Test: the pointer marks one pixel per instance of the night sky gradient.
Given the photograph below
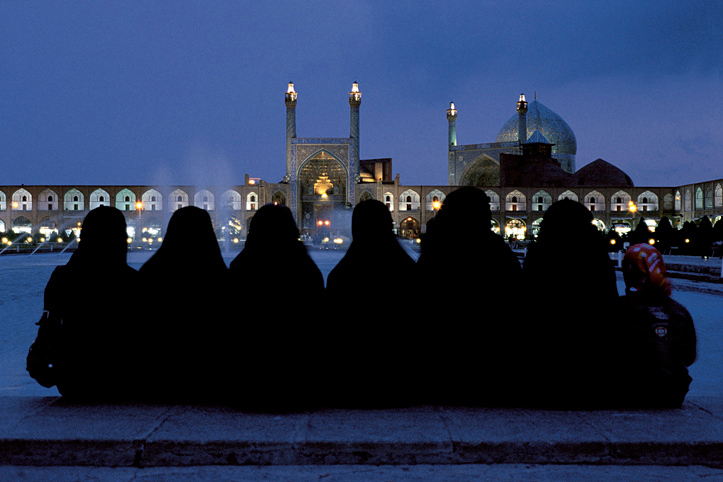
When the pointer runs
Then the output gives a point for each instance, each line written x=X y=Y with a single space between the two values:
x=192 y=92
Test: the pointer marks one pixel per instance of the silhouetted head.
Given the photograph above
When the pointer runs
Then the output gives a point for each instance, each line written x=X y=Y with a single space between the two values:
x=468 y=203
x=103 y=238
x=567 y=218
x=273 y=224
x=190 y=238
x=644 y=271
x=371 y=221
x=189 y=227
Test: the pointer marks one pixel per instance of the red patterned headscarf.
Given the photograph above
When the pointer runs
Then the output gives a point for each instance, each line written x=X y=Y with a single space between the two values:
x=644 y=270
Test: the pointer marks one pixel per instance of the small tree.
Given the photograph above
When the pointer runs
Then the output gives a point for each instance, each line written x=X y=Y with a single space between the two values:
x=703 y=238
x=666 y=236
x=687 y=236
x=641 y=234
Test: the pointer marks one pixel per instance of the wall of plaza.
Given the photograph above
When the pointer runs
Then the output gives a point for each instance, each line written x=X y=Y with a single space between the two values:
x=412 y=206
x=38 y=208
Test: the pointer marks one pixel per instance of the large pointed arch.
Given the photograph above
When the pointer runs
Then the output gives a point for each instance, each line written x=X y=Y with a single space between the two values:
x=483 y=171
x=323 y=174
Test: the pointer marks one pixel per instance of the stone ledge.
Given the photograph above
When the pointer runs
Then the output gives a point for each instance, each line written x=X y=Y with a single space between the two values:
x=46 y=432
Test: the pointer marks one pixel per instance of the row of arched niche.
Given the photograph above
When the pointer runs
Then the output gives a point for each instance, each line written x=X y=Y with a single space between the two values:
x=410 y=200
x=126 y=200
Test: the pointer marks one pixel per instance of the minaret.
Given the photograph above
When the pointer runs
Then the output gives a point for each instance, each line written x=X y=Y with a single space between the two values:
x=452 y=118
x=522 y=125
x=290 y=99
x=354 y=103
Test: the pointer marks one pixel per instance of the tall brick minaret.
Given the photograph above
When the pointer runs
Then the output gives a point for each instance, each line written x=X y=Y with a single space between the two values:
x=522 y=126
x=354 y=103
x=290 y=99
x=452 y=118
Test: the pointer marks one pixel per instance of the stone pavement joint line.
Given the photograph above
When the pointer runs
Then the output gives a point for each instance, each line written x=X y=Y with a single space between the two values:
x=46 y=432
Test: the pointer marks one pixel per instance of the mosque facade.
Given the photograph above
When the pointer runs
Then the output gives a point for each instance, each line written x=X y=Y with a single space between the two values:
x=529 y=165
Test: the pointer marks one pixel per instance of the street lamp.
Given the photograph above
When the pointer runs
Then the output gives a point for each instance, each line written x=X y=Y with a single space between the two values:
x=139 y=207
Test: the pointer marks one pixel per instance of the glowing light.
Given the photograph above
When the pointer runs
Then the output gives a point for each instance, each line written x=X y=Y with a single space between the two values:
x=129 y=240
x=327 y=223
x=436 y=205
x=290 y=90
x=355 y=95
x=522 y=98
x=613 y=242
x=651 y=241
x=452 y=111
x=5 y=240
x=29 y=240
x=338 y=241
x=235 y=240
x=139 y=205
x=60 y=240
x=632 y=207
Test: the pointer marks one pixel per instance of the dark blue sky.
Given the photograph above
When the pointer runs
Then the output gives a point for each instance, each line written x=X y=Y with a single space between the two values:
x=191 y=92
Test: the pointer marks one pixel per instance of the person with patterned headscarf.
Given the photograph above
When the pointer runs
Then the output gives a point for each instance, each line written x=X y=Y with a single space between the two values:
x=659 y=333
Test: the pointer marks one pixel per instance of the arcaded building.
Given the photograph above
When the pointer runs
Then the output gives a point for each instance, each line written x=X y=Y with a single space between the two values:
x=530 y=164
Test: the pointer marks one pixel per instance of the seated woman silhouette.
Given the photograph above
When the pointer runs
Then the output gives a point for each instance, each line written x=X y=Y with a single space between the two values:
x=567 y=335
x=374 y=359
x=278 y=291
x=95 y=327
x=660 y=333
x=472 y=278
x=185 y=286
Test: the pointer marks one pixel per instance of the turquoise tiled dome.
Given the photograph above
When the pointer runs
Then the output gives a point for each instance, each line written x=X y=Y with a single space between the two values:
x=549 y=124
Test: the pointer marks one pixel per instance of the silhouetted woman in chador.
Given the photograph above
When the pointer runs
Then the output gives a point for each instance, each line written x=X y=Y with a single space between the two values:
x=659 y=331
x=87 y=302
x=376 y=348
x=278 y=291
x=569 y=330
x=185 y=286
x=472 y=279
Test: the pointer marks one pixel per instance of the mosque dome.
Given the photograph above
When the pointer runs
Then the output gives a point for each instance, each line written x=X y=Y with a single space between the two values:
x=551 y=126
x=602 y=174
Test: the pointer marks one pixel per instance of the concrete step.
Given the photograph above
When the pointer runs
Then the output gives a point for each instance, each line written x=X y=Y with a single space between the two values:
x=49 y=432
x=367 y=473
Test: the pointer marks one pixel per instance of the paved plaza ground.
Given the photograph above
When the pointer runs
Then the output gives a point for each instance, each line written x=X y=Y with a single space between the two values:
x=44 y=438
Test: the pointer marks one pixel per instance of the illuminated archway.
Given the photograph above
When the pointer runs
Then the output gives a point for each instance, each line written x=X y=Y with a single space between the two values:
x=409 y=228
x=516 y=228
